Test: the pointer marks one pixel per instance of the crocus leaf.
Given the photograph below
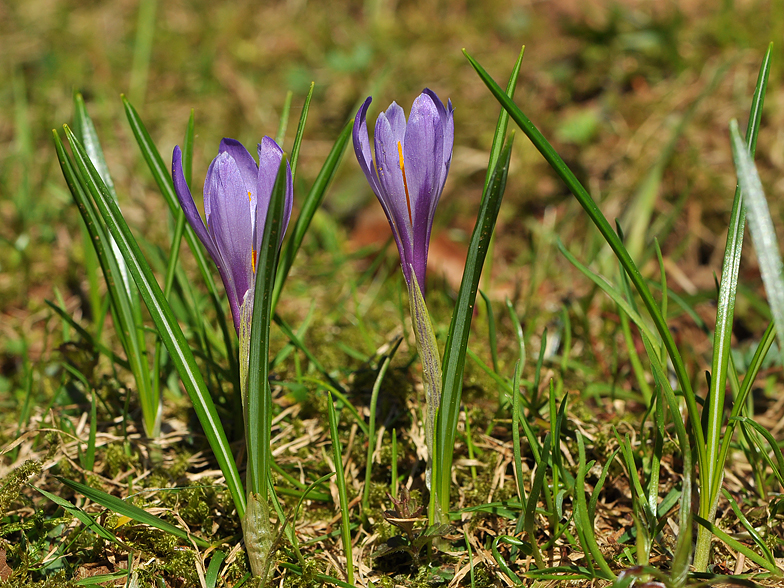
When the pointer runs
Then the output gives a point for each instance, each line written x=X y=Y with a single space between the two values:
x=258 y=422
x=459 y=329
x=120 y=507
x=162 y=175
x=161 y=313
x=606 y=230
x=726 y=306
x=300 y=132
x=124 y=302
x=83 y=517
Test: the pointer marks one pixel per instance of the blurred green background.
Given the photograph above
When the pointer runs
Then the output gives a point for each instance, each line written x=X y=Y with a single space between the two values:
x=621 y=89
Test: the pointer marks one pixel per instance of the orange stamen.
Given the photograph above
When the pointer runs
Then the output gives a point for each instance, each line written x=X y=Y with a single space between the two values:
x=405 y=183
x=253 y=257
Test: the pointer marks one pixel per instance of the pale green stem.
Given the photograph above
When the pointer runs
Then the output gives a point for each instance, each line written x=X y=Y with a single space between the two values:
x=256 y=528
x=431 y=378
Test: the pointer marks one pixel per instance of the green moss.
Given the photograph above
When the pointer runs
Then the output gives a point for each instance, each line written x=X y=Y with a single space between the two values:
x=117 y=460
x=11 y=485
x=307 y=579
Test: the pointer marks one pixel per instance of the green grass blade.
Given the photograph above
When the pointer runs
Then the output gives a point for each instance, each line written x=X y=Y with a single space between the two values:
x=459 y=329
x=590 y=207
x=135 y=513
x=721 y=345
x=751 y=374
x=726 y=303
x=89 y=458
x=762 y=231
x=161 y=313
x=778 y=466
x=84 y=129
x=597 y=488
x=142 y=49
x=582 y=520
x=722 y=340
x=125 y=309
x=502 y=124
x=611 y=291
x=386 y=360
x=491 y=334
x=533 y=500
x=187 y=151
x=309 y=207
x=162 y=177
x=258 y=423
x=280 y=136
x=749 y=528
x=102 y=578
x=683 y=548
x=516 y=418
x=340 y=480
x=300 y=132
x=82 y=516
x=738 y=546
x=211 y=577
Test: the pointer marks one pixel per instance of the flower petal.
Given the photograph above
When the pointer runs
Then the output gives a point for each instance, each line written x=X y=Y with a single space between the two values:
x=194 y=219
x=362 y=146
x=424 y=172
x=270 y=154
x=230 y=223
x=388 y=139
x=243 y=159
x=189 y=207
x=448 y=123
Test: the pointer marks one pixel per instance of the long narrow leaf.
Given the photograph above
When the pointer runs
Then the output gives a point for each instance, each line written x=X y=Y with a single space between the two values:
x=337 y=456
x=459 y=329
x=300 y=132
x=582 y=520
x=588 y=204
x=726 y=307
x=168 y=328
x=131 y=511
x=761 y=228
x=738 y=546
x=161 y=174
x=83 y=517
x=124 y=307
x=258 y=423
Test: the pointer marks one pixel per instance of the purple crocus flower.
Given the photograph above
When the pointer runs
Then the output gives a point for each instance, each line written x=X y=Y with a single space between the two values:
x=408 y=175
x=237 y=194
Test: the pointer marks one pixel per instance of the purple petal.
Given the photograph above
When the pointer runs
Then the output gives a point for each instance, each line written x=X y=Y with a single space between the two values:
x=390 y=177
x=362 y=146
x=448 y=124
x=244 y=161
x=449 y=139
x=397 y=121
x=230 y=223
x=424 y=170
x=189 y=207
x=270 y=154
x=194 y=219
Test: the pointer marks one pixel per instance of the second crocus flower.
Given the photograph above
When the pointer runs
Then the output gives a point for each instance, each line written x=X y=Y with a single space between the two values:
x=408 y=175
x=409 y=171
